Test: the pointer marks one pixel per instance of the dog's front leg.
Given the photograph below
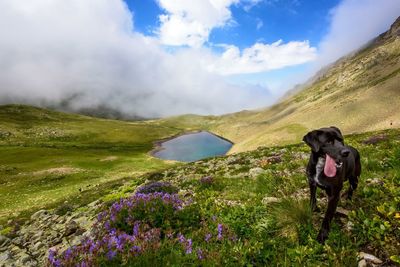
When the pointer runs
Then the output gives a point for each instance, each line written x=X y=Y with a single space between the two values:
x=333 y=200
x=313 y=198
x=353 y=181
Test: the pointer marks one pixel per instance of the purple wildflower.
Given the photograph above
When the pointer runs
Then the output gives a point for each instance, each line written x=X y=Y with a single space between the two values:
x=219 y=231
x=189 y=246
x=68 y=254
x=181 y=238
x=53 y=261
x=111 y=254
x=93 y=247
x=52 y=253
x=135 y=249
x=120 y=243
x=208 y=237
x=136 y=228
x=107 y=225
x=200 y=254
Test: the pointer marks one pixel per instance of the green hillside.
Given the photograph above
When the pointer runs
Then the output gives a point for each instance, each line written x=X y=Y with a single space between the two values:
x=358 y=93
x=48 y=157
x=247 y=209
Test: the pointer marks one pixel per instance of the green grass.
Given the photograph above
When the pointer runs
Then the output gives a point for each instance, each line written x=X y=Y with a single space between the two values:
x=48 y=157
x=63 y=161
x=282 y=232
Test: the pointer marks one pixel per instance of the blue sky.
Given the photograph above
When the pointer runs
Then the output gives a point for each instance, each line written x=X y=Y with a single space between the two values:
x=156 y=58
x=261 y=21
x=287 y=20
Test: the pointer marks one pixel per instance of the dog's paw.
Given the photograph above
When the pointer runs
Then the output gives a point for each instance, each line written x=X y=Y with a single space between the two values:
x=347 y=195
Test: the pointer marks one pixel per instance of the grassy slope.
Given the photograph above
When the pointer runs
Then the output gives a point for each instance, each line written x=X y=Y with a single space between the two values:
x=282 y=233
x=46 y=157
x=358 y=93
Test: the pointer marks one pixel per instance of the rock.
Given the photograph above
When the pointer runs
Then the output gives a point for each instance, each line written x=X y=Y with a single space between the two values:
x=349 y=226
x=94 y=204
x=25 y=258
x=268 y=200
x=14 y=250
x=342 y=212
x=54 y=241
x=373 y=140
x=18 y=240
x=5 y=256
x=38 y=246
x=37 y=236
x=362 y=263
x=75 y=241
x=39 y=214
x=368 y=258
x=71 y=228
x=375 y=181
x=4 y=241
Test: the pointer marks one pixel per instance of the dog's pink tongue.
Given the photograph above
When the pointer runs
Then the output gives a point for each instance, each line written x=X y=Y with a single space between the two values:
x=330 y=168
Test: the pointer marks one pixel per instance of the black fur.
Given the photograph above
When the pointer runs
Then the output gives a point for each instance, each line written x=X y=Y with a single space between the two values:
x=330 y=141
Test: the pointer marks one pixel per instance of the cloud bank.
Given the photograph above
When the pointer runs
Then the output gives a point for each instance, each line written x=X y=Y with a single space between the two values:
x=86 y=54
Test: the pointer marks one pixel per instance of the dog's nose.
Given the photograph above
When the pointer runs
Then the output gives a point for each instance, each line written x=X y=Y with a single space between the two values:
x=345 y=152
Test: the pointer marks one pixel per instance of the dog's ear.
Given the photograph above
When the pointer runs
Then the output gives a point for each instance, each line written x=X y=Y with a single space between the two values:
x=312 y=141
x=337 y=132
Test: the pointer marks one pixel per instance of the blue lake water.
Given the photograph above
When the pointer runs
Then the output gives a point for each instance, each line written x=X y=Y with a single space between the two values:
x=192 y=147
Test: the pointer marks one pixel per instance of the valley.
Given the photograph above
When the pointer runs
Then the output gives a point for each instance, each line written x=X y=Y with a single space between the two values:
x=63 y=163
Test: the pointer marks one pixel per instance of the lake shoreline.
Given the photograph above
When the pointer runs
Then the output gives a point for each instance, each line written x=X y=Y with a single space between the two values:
x=157 y=145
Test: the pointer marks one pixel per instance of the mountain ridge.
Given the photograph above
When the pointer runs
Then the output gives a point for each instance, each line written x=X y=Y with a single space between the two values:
x=357 y=93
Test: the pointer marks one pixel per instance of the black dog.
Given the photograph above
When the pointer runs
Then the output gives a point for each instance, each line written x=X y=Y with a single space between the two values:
x=331 y=163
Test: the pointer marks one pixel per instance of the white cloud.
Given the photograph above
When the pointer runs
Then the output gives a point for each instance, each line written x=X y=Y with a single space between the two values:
x=262 y=57
x=260 y=23
x=190 y=22
x=353 y=24
x=88 y=51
